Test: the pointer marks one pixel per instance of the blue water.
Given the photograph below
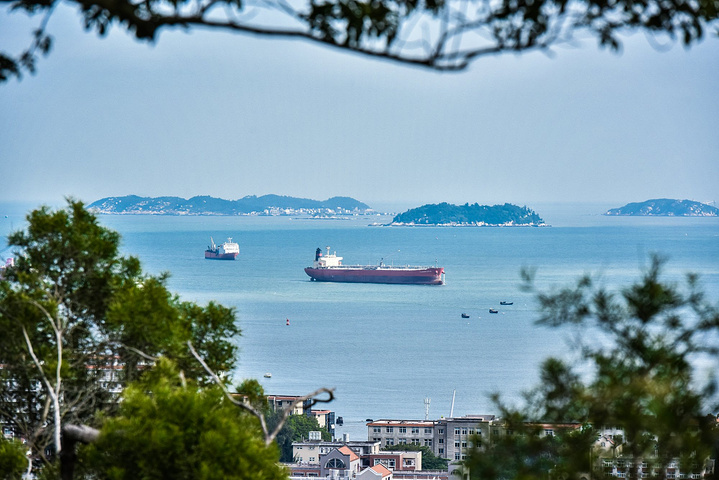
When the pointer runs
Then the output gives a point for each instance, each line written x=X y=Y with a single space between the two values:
x=385 y=348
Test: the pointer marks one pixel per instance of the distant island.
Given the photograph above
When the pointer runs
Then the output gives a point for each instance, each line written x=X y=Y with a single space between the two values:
x=666 y=207
x=446 y=214
x=249 y=205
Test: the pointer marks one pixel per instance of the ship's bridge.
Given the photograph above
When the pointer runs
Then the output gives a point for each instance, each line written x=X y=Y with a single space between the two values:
x=329 y=260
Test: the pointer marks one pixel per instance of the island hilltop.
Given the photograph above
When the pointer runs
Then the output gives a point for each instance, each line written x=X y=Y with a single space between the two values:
x=665 y=207
x=249 y=205
x=446 y=214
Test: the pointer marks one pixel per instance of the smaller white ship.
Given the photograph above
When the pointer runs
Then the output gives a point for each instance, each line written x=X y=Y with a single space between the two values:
x=226 y=251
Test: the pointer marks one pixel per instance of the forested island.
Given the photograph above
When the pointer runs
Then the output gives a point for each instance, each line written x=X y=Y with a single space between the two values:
x=249 y=205
x=665 y=207
x=469 y=215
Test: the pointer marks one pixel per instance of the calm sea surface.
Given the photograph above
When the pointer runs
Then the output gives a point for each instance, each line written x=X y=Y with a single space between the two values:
x=385 y=348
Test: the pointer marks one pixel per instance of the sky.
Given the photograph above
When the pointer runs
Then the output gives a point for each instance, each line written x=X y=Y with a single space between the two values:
x=229 y=115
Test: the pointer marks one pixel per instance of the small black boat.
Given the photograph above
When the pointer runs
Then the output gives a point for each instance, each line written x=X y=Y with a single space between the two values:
x=491 y=310
x=464 y=315
x=506 y=303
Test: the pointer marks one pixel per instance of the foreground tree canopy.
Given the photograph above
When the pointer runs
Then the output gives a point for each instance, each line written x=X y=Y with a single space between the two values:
x=439 y=34
x=82 y=327
x=643 y=358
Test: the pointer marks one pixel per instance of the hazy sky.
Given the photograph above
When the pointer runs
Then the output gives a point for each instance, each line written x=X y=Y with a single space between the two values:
x=226 y=115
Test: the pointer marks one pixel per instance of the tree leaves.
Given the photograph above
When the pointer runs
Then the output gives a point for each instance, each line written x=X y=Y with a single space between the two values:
x=437 y=34
x=639 y=377
x=80 y=322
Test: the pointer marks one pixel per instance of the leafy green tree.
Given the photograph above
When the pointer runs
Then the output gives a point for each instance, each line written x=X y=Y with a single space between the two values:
x=437 y=34
x=13 y=462
x=429 y=460
x=170 y=428
x=638 y=358
x=73 y=310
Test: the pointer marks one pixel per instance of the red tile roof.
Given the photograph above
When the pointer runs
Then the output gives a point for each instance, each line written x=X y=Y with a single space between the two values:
x=346 y=450
x=381 y=469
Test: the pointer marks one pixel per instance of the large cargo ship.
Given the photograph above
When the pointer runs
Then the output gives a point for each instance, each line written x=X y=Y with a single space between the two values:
x=227 y=251
x=329 y=268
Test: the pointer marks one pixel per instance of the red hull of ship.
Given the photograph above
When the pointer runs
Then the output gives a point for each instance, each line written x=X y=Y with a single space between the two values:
x=220 y=256
x=427 y=276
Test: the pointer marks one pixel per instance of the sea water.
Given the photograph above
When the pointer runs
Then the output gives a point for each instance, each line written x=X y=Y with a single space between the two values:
x=384 y=349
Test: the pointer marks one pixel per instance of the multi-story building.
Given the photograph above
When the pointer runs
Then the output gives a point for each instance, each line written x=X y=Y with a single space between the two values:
x=309 y=452
x=351 y=461
x=402 y=432
x=396 y=461
x=447 y=437
x=624 y=467
x=280 y=402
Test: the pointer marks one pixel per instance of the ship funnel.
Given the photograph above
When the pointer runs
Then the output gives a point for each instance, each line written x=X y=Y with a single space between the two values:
x=318 y=254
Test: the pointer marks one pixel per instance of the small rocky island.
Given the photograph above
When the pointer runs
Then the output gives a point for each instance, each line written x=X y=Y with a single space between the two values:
x=666 y=207
x=446 y=214
x=249 y=205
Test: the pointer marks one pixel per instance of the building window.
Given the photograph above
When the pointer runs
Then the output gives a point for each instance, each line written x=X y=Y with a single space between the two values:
x=335 y=463
x=312 y=459
x=441 y=451
x=441 y=431
x=427 y=442
x=471 y=431
x=389 y=429
x=464 y=444
x=415 y=430
x=456 y=431
x=415 y=441
x=377 y=429
x=402 y=441
x=428 y=431
x=402 y=429
x=549 y=432
x=456 y=445
x=464 y=431
x=441 y=441
x=457 y=456
x=495 y=431
x=389 y=441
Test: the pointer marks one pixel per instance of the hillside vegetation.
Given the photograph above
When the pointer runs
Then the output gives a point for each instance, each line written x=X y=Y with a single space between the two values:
x=480 y=215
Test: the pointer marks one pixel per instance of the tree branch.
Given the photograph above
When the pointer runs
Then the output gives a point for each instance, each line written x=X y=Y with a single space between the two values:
x=51 y=391
x=269 y=436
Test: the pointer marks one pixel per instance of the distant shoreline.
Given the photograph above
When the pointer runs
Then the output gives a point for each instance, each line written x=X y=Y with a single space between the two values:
x=463 y=225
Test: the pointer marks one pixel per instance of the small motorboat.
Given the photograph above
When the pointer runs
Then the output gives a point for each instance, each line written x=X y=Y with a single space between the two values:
x=268 y=375
x=506 y=303
x=491 y=310
x=464 y=315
